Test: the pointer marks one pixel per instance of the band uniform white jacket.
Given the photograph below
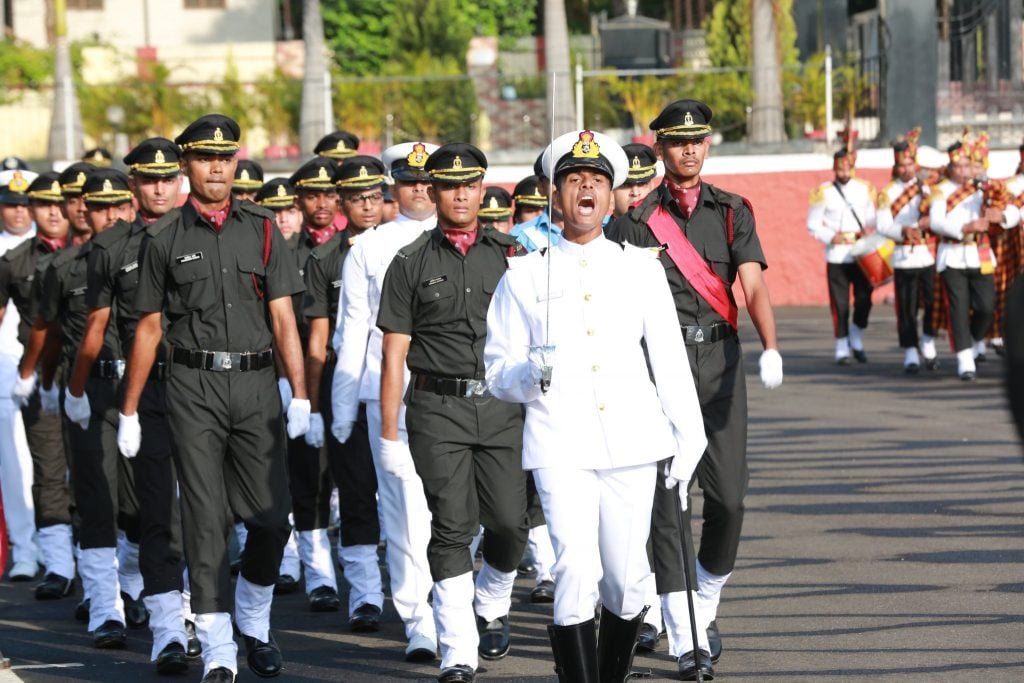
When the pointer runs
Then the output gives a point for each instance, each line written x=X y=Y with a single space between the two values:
x=830 y=213
x=950 y=224
x=602 y=410
x=904 y=255
x=357 y=340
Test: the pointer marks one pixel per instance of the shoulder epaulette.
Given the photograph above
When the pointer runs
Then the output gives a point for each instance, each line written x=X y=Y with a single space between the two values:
x=327 y=248
x=256 y=209
x=417 y=244
x=111 y=235
x=725 y=197
x=157 y=227
x=500 y=237
x=818 y=194
x=12 y=254
x=642 y=211
x=633 y=251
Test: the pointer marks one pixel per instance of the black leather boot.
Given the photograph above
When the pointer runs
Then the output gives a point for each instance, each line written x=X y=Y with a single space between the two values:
x=575 y=651
x=616 y=645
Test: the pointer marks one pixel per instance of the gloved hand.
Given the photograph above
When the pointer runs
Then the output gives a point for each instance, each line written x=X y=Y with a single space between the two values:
x=285 y=387
x=315 y=434
x=771 y=368
x=77 y=408
x=537 y=363
x=396 y=460
x=341 y=428
x=298 y=417
x=673 y=483
x=23 y=388
x=49 y=399
x=129 y=434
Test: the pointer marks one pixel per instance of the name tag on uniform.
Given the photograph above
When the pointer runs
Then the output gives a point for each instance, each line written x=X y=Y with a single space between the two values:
x=130 y=267
x=336 y=284
x=78 y=291
x=188 y=258
x=555 y=294
x=435 y=281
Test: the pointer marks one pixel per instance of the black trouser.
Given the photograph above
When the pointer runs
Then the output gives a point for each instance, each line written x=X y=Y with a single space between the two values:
x=468 y=452
x=50 y=465
x=971 y=298
x=534 y=509
x=841 y=276
x=160 y=550
x=915 y=287
x=229 y=445
x=103 y=480
x=721 y=473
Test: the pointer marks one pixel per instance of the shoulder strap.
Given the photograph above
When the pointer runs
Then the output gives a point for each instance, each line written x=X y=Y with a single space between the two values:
x=268 y=239
x=839 y=189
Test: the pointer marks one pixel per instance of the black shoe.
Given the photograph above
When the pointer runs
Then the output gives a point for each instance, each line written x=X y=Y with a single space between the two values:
x=688 y=666
x=980 y=358
x=54 y=587
x=715 y=642
x=911 y=368
x=844 y=360
x=195 y=647
x=460 y=673
x=968 y=376
x=264 y=658
x=495 y=640
x=526 y=569
x=236 y=568
x=931 y=364
x=544 y=592
x=220 y=674
x=324 y=599
x=172 y=660
x=365 y=619
x=860 y=355
x=109 y=636
x=286 y=583
x=135 y=613
x=647 y=641
x=82 y=610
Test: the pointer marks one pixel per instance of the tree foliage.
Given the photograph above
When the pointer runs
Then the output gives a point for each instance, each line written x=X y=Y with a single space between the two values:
x=22 y=66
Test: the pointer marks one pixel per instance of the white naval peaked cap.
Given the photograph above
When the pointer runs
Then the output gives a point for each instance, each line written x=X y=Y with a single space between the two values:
x=586 y=149
x=403 y=150
x=7 y=176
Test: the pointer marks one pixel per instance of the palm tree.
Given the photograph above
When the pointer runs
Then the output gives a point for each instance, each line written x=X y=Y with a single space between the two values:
x=766 y=121
x=317 y=118
x=556 y=56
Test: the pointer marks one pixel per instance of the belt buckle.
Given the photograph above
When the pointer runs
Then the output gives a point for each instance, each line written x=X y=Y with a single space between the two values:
x=221 y=360
x=699 y=337
x=475 y=387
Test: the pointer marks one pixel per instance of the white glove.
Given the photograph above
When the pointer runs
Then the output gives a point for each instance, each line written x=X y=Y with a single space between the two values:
x=342 y=429
x=315 y=434
x=536 y=367
x=129 y=434
x=672 y=483
x=771 y=369
x=298 y=417
x=285 y=387
x=76 y=408
x=49 y=399
x=23 y=389
x=396 y=460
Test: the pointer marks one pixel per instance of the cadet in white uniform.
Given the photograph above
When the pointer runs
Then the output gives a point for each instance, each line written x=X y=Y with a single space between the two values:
x=594 y=438
x=842 y=210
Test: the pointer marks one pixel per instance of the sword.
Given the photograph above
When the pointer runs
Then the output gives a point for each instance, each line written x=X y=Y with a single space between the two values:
x=546 y=349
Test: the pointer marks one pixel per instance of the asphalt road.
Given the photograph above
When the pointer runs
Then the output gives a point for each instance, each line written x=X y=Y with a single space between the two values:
x=884 y=538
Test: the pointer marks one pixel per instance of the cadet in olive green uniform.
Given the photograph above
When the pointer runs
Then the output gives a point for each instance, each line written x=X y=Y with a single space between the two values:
x=466 y=445
x=220 y=272
x=248 y=180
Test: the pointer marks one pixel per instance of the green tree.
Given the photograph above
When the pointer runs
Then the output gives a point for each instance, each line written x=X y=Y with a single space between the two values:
x=278 y=99
x=22 y=66
x=357 y=32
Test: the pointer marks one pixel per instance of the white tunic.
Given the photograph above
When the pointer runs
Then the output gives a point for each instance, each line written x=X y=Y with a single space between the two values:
x=602 y=410
x=950 y=224
x=830 y=214
x=905 y=255
x=357 y=340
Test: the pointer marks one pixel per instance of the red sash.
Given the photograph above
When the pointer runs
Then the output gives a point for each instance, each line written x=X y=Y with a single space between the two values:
x=693 y=266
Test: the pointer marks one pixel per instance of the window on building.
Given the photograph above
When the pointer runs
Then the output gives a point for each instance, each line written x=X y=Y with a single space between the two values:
x=85 y=4
x=205 y=4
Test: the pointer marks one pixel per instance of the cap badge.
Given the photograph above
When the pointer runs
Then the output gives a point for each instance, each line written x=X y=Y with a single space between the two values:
x=322 y=174
x=18 y=183
x=688 y=119
x=158 y=158
x=363 y=173
x=108 y=186
x=418 y=156
x=340 y=145
x=218 y=136
x=80 y=178
x=457 y=164
x=494 y=203
x=244 y=175
x=55 y=187
x=586 y=147
x=281 y=192
x=636 y=163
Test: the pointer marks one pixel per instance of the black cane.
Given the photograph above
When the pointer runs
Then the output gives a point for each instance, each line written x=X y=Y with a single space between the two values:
x=689 y=582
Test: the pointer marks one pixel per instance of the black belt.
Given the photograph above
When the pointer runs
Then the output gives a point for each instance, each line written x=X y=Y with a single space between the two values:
x=707 y=334
x=158 y=372
x=450 y=386
x=223 y=361
x=107 y=369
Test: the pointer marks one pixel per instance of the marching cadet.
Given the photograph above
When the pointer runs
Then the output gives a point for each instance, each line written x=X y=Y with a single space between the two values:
x=640 y=181
x=390 y=210
x=709 y=239
x=338 y=146
x=843 y=210
x=113 y=275
x=248 y=180
x=358 y=180
x=496 y=209
x=98 y=157
x=899 y=218
x=962 y=213
x=16 y=218
x=466 y=445
x=595 y=481
x=21 y=271
x=220 y=272
x=530 y=202
x=279 y=196
x=104 y=488
x=357 y=380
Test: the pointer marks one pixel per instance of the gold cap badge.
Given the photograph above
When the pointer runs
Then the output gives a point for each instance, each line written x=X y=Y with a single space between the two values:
x=418 y=156
x=281 y=192
x=108 y=186
x=158 y=158
x=688 y=119
x=218 y=136
x=586 y=147
x=17 y=183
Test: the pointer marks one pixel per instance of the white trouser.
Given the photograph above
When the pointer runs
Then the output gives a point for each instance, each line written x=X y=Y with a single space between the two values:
x=359 y=565
x=165 y=621
x=651 y=598
x=315 y=551
x=456 y=623
x=98 y=569
x=128 y=574
x=55 y=546
x=186 y=598
x=539 y=543
x=493 y=592
x=290 y=562
x=677 y=623
x=252 y=608
x=218 y=640
x=15 y=469
x=406 y=525
x=599 y=521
